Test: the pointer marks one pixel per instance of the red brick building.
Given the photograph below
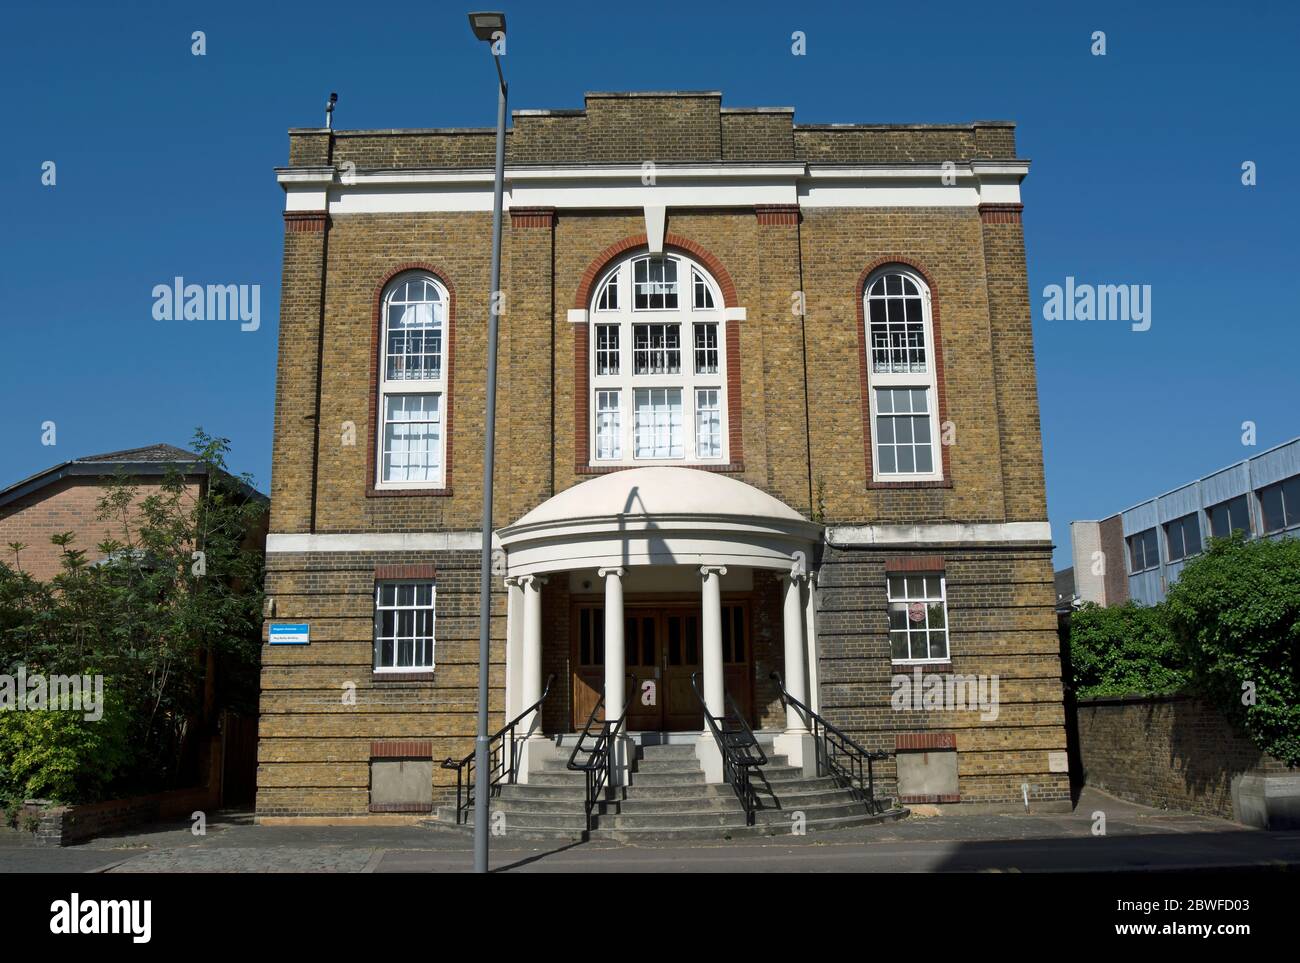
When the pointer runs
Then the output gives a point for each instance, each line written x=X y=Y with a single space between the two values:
x=65 y=498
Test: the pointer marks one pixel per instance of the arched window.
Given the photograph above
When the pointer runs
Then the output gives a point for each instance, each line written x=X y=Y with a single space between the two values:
x=901 y=376
x=412 y=383
x=658 y=371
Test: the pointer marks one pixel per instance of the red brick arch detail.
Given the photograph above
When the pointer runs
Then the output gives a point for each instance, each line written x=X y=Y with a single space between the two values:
x=863 y=367
x=582 y=349
x=602 y=260
x=376 y=349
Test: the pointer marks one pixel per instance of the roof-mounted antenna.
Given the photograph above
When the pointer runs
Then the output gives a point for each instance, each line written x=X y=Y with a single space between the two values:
x=329 y=111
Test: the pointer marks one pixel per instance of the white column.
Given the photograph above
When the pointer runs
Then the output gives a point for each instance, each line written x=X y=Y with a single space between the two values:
x=514 y=646
x=810 y=634
x=711 y=631
x=795 y=680
x=615 y=661
x=623 y=749
x=714 y=688
x=531 y=688
x=534 y=748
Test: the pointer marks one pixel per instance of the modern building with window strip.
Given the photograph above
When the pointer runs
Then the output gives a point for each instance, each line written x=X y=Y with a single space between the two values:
x=1139 y=552
x=766 y=406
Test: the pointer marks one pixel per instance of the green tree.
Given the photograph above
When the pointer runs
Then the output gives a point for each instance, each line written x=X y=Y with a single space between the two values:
x=1236 y=613
x=1123 y=649
x=173 y=600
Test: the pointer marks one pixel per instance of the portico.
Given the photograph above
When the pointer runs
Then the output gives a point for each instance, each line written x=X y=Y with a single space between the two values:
x=684 y=533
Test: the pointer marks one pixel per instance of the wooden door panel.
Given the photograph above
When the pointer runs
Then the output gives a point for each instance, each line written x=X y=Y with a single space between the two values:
x=588 y=660
x=737 y=646
x=737 y=682
x=641 y=651
x=682 y=643
x=663 y=644
x=586 y=691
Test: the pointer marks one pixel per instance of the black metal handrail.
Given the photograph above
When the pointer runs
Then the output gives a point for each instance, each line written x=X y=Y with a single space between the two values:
x=502 y=760
x=740 y=751
x=838 y=755
x=599 y=758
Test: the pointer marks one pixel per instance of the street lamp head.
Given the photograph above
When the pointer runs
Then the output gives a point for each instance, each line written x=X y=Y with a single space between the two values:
x=487 y=25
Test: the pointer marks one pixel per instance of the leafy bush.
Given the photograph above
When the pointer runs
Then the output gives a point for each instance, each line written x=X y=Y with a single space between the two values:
x=60 y=754
x=1123 y=649
x=1236 y=613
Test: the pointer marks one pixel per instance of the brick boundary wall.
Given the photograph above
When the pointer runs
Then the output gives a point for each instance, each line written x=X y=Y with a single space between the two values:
x=65 y=825
x=1171 y=752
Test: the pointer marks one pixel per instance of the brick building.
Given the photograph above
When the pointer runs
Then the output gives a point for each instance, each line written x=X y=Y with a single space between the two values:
x=766 y=402
x=65 y=498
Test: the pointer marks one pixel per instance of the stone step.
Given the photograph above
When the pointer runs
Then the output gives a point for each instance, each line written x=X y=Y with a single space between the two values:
x=668 y=751
x=637 y=803
x=572 y=821
x=690 y=790
x=694 y=778
x=780 y=787
x=561 y=807
x=534 y=790
x=559 y=765
x=817 y=812
x=662 y=822
x=670 y=764
x=735 y=832
x=570 y=829
x=557 y=777
x=778 y=773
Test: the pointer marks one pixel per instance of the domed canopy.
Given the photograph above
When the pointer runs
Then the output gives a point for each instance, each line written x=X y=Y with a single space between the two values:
x=658 y=516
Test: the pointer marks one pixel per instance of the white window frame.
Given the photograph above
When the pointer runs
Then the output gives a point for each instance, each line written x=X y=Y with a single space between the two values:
x=388 y=388
x=626 y=381
x=925 y=599
x=432 y=609
x=926 y=380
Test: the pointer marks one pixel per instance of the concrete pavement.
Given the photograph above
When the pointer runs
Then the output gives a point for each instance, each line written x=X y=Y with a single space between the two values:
x=1136 y=839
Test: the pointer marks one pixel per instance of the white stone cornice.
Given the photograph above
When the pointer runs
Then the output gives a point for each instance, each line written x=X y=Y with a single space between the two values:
x=377 y=542
x=635 y=186
x=946 y=533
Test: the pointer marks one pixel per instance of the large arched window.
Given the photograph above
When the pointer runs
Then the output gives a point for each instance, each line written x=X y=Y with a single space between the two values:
x=412 y=383
x=658 y=368
x=901 y=376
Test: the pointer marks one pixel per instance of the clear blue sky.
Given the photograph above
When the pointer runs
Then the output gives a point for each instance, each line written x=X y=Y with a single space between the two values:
x=164 y=167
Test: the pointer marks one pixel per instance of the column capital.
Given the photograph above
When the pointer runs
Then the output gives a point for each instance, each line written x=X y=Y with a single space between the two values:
x=707 y=570
x=615 y=570
x=510 y=581
x=528 y=581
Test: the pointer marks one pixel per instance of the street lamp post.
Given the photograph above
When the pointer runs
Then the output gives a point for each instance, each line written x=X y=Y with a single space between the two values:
x=489 y=27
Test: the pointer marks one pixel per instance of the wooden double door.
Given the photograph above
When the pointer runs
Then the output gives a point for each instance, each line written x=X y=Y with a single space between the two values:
x=663 y=646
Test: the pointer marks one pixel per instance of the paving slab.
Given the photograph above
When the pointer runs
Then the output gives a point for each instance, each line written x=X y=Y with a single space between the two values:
x=1137 y=838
